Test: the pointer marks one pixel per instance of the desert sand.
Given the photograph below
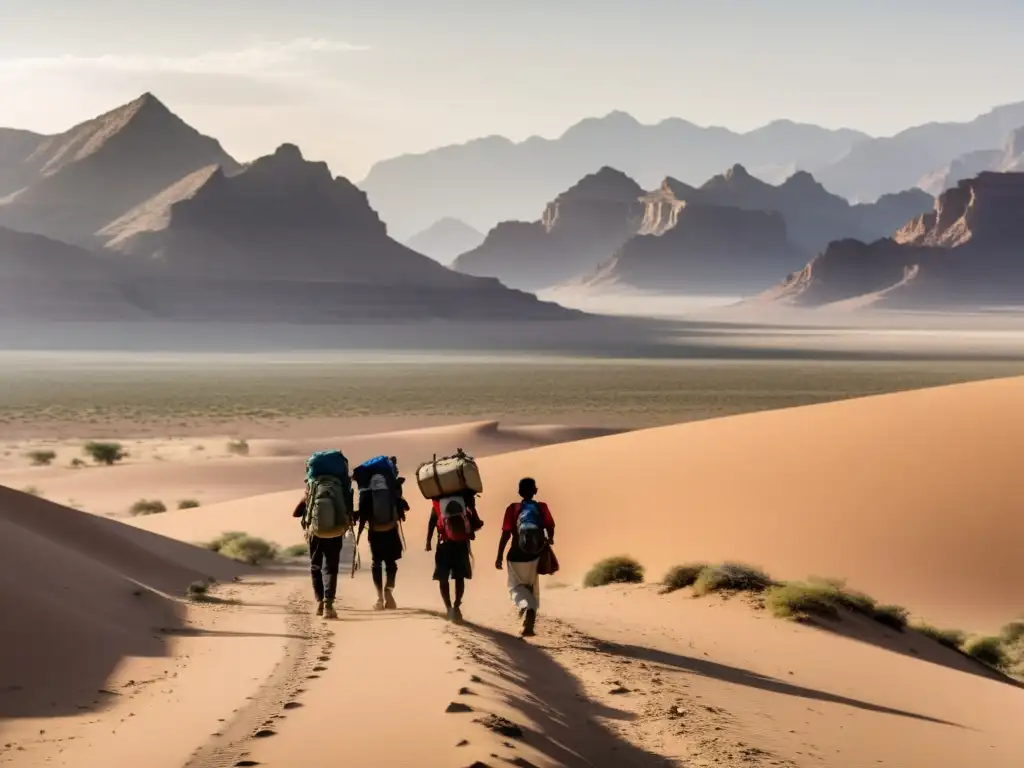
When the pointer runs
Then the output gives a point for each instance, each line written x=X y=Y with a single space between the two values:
x=912 y=497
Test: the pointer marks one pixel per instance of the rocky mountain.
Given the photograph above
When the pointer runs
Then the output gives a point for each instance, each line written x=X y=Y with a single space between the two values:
x=494 y=179
x=74 y=184
x=445 y=239
x=706 y=249
x=15 y=147
x=43 y=279
x=578 y=230
x=966 y=253
x=283 y=239
x=892 y=163
x=1008 y=158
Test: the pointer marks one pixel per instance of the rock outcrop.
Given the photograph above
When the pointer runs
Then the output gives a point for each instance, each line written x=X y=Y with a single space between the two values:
x=1009 y=158
x=706 y=250
x=445 y=239
x=578 y=230
x=76 y=183
x=968 y=252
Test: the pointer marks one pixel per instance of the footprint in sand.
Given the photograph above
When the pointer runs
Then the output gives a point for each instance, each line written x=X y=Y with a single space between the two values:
x=466 y=692
x=456 y=706
x=292 y=705
x=241 y=763
x=320 y=668
x=264 y=733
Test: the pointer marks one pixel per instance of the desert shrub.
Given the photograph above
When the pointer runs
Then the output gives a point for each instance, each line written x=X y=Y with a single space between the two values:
x=1012 y=633
x=77 y=463
x=238 y=447
x=614 y=570
x=682 y=576
x=243 y=547
x=987 y=650
x=731 y=577
x=799 y=600
x=147 y=507
x=105 y=453
x=32 y=490
x=188 y=504
x=892 y=616
x=197 y=590
x=41 y=458
x=299 y=550
x=951 y=638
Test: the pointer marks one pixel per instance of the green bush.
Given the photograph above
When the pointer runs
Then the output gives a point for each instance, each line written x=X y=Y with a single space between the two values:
x=987 y=650
x=41 y=458
x=77 y=463
x=951 y=638
x=188 y=504
x=243 y=547
x=614 y=570
x=300 y=550
x=1012 y=633
x=799 y=600
x=105 y=453
x=147 y=507
x=731 y=577
x=682 y=576
x=238 y=447
x=892 y=616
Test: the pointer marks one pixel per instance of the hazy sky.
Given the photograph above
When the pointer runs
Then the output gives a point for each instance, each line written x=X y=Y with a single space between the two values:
x=354 y=82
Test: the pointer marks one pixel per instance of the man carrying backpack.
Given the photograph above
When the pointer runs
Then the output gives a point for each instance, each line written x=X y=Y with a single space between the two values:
x=531 y=529
x=382 y=507
x=456 y=521
x=326 y=517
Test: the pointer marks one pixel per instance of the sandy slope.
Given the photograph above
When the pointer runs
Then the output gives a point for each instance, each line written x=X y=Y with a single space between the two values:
x=202 y=469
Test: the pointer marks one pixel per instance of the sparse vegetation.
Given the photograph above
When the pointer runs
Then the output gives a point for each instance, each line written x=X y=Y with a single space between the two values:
x=243 y=547
x=295 y=550
x=32 y=490
x=77 y=463
x=892 y=616
x=682 y=576
x=188 y=504
x=731 y=577
x=614 y=570
x=951 y=638
x=800 y=600
x=986 y=649
x=238 y=447
x=1012 y=633
x=147 y=507
x=197 y=589
x=41 y=458
x=105 y=453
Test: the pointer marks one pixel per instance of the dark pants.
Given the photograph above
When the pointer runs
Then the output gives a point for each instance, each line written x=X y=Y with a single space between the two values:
x=385 y=551
x=324 y=556
x=377 y=569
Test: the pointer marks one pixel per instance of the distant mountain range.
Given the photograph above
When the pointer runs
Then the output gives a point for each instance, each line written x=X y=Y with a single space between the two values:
x=966 y=253
x=445 y=239
x=493 y=179
x=136 y=215
x=1008 y=158
x=608 y=214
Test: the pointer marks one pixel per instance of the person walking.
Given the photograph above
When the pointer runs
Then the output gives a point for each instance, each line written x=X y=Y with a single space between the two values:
x=456 y=521
x=326 y=516
x=382 y=509
x=529 y=526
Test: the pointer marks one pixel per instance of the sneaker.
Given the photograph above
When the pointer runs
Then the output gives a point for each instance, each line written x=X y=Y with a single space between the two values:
x=528 y=623
x=319 y=607
x=455 y=615
x=379 y=605
x=329 y=612
x=389 y=600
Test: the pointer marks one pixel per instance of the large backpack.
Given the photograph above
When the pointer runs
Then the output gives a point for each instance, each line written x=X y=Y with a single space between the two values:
x=530 y=529
x=455 y=521
x=332 y=462
x=378 y=486
x=328 y=507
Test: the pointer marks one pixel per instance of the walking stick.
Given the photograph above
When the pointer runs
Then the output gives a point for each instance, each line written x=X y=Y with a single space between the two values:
x=356 y=560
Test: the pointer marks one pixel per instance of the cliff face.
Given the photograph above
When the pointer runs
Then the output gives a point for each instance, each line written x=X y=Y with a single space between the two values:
x=78 y=182
x=578 y=229
x=708 y=250
x=966 y=253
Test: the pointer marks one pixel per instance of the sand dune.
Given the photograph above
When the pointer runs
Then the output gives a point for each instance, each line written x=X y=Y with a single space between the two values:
x=203 y=470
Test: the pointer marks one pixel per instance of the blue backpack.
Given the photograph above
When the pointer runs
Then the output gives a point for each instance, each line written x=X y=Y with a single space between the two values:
x=378 y=494
x=378 y=465
x=530 y=529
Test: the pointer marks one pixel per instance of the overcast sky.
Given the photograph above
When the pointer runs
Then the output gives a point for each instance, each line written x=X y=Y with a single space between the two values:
x=355 y=82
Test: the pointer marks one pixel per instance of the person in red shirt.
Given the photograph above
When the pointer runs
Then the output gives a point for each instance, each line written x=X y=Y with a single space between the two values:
x=528 y=524
x=456 y=521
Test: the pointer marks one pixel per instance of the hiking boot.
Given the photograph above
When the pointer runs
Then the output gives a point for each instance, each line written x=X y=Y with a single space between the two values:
x=389 y=600
x=329 y=612
x=319 y=607
x=528 y=622
x=450 y=612
x=455 y=615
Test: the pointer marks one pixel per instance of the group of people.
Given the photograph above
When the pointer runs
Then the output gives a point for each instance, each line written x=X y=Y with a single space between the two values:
x=527 y=532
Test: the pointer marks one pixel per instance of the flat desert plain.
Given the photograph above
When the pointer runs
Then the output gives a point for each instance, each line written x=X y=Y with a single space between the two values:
x=125 y=644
